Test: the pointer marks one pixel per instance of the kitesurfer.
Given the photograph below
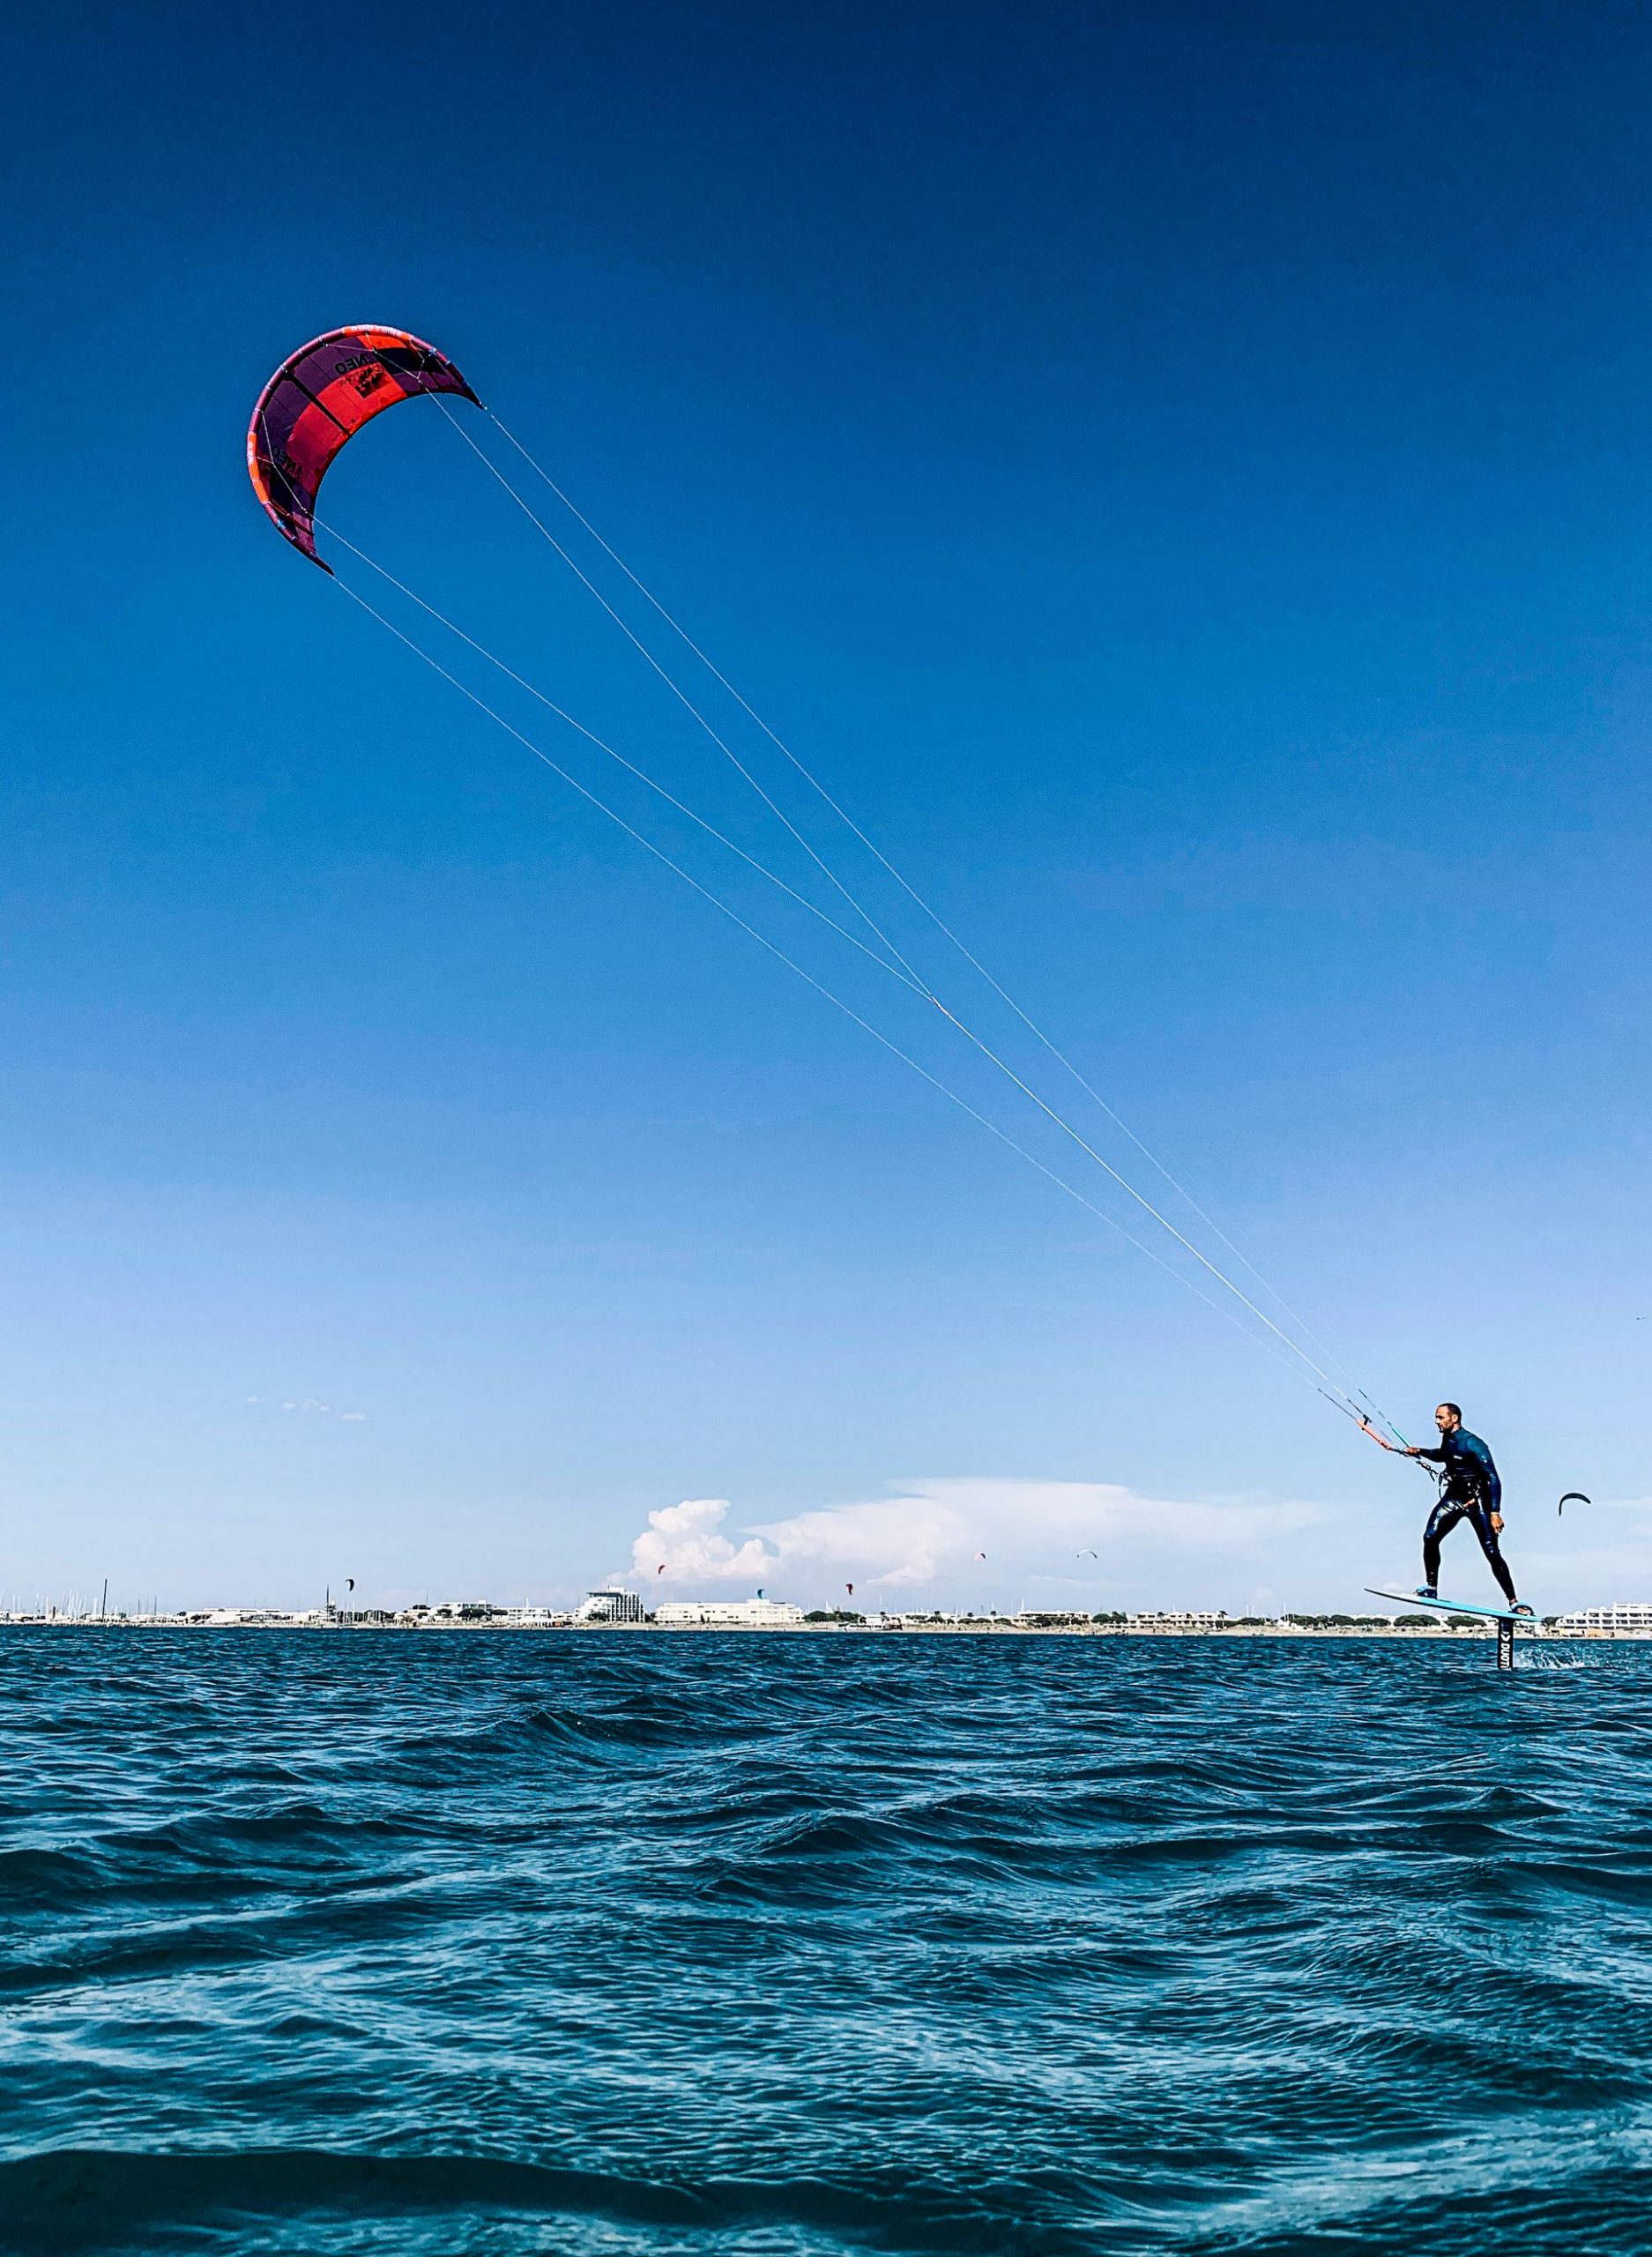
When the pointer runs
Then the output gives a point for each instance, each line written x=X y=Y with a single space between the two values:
x=1470 y=1489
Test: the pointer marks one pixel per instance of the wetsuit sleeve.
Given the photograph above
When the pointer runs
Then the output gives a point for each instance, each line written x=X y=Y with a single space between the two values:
x=1493 y=1482
x=1434 y=1456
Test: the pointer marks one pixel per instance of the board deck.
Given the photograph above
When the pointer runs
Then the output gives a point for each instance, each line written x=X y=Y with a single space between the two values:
x=1458 y=1607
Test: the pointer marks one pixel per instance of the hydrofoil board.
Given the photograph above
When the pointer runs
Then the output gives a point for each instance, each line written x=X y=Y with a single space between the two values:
x=1458 y=1607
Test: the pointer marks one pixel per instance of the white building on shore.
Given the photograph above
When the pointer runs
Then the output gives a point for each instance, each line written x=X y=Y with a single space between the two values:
x=1200 y=1618
x=728 y=1614
x=610 y=1606
x=1632 y=1619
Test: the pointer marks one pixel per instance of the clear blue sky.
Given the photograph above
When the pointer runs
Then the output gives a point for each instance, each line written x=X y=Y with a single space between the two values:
x=1179 y=474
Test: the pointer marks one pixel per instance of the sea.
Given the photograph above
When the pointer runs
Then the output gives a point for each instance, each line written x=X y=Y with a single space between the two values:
x=481 y=1944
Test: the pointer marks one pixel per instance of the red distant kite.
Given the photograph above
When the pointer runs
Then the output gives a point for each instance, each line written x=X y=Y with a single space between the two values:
x=319 y=399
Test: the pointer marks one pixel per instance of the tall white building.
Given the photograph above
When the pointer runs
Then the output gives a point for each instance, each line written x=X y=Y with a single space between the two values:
x=727 y=1614
x=610 y=1606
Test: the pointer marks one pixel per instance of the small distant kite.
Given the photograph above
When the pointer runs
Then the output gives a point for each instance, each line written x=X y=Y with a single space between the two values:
x=850 y=1589
x=980 y=1555
x=660 y=1569
x=1573 y=1497
x=317 y=401
x=1088 y=1555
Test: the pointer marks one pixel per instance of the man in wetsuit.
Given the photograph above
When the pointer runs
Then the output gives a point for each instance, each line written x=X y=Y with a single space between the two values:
x=1470 y=1490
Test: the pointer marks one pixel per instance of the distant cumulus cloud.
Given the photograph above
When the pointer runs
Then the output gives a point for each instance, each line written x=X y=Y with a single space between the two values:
x=685 y=1541
x=935 y=1531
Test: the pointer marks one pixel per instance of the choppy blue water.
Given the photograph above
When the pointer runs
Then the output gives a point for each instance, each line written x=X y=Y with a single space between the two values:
x=490 y=1944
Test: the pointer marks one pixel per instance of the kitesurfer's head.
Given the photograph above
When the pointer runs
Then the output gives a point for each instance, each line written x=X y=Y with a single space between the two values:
x=1448 y=1417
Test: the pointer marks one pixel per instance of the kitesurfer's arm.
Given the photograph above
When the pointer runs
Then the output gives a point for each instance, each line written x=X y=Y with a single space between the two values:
x=1401 y=1450
x=1487 y=1479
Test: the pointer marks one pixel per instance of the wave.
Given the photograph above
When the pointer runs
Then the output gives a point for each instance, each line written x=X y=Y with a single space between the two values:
x=85 y=2200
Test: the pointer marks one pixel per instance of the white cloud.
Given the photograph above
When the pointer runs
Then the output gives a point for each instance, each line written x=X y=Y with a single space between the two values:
x=932 y=1533
x=313 y=1407
x=685 y=1541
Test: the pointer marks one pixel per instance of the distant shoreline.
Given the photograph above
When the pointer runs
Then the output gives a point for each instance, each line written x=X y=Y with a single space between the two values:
x=873 y=1628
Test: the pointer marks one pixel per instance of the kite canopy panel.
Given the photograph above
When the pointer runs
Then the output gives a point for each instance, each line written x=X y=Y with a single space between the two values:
x=318 y=400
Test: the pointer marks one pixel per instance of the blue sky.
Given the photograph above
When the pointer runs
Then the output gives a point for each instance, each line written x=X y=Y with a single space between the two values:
x=1179 y=475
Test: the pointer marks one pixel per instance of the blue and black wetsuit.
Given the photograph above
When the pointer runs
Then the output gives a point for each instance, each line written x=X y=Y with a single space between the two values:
x=1470 y=1490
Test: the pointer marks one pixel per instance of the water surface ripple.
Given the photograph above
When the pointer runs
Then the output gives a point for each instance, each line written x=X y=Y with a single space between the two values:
x=496 y=1943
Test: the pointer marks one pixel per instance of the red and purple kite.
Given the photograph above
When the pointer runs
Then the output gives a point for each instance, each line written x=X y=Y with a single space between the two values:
x=320 y=399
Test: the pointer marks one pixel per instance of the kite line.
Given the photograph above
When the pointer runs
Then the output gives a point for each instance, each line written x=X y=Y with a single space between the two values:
x=311 y=407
